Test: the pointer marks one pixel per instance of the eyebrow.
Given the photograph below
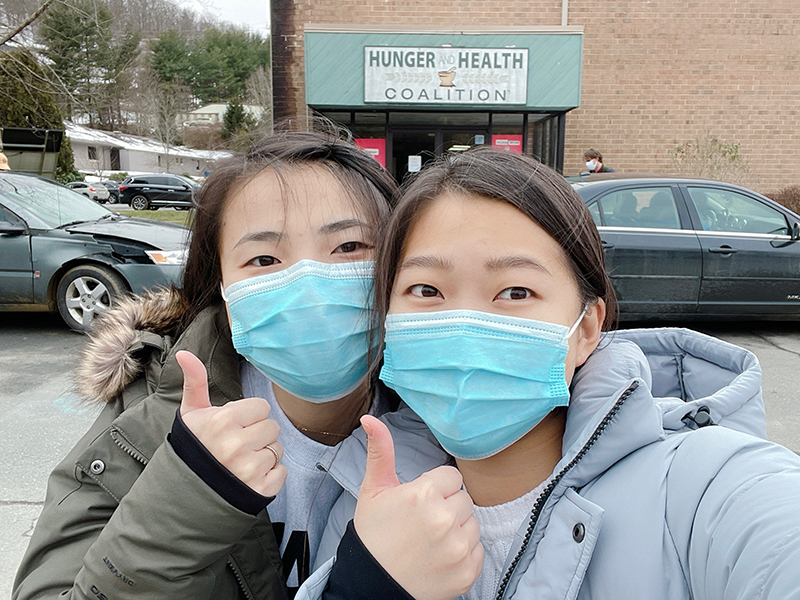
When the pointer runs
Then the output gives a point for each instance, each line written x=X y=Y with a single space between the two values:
x=342 y=225
x=427 y=262
x=514 y=262
x=259 y=236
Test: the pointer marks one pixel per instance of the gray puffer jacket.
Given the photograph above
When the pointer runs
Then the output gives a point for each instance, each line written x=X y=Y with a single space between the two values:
x=644 y=503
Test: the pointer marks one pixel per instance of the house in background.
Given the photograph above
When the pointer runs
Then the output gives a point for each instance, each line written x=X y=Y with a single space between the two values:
x=213 y=114
x=103 y=151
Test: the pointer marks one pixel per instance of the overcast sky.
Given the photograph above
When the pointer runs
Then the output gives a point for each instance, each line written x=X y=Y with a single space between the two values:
x=253 y=14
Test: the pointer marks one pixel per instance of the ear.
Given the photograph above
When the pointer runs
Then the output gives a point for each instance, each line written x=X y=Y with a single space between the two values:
x=589 y=331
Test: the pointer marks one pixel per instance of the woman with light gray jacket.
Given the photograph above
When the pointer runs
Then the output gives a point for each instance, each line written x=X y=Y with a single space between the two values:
x=537 y=457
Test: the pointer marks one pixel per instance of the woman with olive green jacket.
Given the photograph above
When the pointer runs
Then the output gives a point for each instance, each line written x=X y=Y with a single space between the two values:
x=123 y=492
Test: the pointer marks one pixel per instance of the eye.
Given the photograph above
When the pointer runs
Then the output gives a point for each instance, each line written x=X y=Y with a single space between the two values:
x=349 y=247
x=264 y=261
x=422 y=290
x=515 y=293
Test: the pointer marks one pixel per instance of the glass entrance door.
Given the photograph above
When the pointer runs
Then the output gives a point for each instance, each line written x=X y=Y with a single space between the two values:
x=411 y=142
x=428 y=144
x=458 y=140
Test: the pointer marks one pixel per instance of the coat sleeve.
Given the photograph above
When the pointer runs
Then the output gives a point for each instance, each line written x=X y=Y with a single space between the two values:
x=168 y=537
x=345 y=569
x=743 y=542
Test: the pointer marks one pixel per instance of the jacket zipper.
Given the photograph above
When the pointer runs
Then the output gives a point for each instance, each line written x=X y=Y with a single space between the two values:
x=117 y=436
x=240 y=579
x=542 y=499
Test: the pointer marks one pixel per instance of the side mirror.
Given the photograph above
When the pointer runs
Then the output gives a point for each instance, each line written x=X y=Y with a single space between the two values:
x=795 y=235
x=12 y=228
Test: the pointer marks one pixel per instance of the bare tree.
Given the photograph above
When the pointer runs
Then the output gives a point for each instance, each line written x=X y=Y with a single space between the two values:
x=26 y=23
x=259 y=93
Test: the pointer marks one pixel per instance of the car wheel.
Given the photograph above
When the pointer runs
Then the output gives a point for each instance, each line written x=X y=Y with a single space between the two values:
x=140 y=202
x=85 y=292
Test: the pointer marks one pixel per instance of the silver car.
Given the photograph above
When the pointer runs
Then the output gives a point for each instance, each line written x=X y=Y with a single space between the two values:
x=93 y=191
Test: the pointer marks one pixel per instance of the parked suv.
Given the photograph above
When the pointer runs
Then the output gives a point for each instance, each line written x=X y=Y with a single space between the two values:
x=150 y=192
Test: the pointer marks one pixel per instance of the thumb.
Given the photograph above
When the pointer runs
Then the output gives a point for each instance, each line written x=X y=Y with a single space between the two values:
x=380 y=473
x=195 y=382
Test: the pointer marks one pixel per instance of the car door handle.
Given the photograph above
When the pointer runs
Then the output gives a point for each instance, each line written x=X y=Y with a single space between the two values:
x=606 y=245
x=723 y=250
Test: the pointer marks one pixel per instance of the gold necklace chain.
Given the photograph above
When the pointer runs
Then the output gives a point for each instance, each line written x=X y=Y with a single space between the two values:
x=307 y=430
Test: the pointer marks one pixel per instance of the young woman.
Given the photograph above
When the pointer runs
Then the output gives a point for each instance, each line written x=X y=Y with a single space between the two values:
x=585 y=466
x=265 y=348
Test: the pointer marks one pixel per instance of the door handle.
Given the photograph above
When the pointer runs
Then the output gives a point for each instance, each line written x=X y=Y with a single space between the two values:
x=606 y=245
x=723 y=250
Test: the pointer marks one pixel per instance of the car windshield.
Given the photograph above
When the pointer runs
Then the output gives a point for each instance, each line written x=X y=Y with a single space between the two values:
x=191 y=182
x=45 y=204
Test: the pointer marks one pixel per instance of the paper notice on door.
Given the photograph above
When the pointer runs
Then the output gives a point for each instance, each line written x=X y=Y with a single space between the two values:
x=414 y=163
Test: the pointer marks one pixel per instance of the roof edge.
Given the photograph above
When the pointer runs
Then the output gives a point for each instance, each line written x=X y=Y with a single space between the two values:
x=441 y=29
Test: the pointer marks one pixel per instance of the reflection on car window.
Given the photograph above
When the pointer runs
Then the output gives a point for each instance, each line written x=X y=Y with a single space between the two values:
x=44 y=203
x=725 y=210
x=594 y=209
x=641 y=207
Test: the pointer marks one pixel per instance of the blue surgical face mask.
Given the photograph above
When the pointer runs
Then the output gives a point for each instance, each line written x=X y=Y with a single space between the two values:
x=306 y=327
x=479 y=381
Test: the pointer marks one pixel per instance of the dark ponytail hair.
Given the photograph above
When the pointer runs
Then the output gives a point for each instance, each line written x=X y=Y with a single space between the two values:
x=370 y=186
x=537 y=191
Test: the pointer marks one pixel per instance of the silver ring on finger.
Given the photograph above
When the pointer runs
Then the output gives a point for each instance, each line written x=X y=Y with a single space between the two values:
x=275 y=453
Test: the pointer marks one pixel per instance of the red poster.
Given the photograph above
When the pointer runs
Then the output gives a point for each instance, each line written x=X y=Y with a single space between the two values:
x=376 y=147
x=508 y=141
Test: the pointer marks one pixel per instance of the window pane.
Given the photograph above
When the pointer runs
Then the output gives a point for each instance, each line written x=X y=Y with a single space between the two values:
x=641 y=207
x=443 y=118
x=723 y=210
x=594 y=209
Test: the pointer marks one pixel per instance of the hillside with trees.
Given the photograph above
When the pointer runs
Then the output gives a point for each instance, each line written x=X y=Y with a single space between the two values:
x=140 y=66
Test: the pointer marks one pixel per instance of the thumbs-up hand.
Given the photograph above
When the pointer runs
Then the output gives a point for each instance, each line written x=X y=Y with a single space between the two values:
x=236 y=434
x=423 y=533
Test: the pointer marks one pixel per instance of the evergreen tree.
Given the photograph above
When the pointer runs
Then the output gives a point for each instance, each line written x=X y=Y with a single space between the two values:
x=170 y=58
x=216 y=66
x=92 y=70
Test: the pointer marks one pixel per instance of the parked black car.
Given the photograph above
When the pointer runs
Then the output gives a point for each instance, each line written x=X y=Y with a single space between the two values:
x=152 y=191
x=694 y=248
x=113 y=190
x=61 y=251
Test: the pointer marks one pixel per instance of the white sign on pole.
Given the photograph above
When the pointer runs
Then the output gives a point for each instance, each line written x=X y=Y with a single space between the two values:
x=414 y=163
x=445 y=75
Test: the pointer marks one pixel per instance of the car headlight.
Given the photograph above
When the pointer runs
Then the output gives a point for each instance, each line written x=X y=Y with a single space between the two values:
x=171 y=257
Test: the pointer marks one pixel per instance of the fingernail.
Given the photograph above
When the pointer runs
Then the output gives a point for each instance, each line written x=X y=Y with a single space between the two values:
x=367 y=428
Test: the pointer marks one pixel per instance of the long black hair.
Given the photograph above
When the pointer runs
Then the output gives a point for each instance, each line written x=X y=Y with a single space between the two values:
x=534 y=189
x=370 y=186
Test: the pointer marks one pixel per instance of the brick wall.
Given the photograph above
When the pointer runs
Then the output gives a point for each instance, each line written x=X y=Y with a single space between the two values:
x=655 y=74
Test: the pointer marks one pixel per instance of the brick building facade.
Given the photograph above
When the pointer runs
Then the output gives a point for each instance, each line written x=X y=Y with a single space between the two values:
x=654 y=74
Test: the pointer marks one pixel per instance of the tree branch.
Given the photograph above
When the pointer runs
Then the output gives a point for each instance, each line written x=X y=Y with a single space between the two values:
x=28 y=21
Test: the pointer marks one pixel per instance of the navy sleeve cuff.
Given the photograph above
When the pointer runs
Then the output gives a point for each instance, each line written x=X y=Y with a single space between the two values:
x=212 y=472
x=356 y=574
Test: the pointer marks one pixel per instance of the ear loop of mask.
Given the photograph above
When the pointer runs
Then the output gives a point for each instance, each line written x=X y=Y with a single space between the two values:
x=222 y=291
x=578 y=322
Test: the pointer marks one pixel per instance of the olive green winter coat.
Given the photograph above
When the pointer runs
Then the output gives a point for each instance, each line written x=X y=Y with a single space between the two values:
x=125 y=517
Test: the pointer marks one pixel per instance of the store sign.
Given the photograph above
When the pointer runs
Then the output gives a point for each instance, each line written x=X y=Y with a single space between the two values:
x=375 y=147
x=445 y=75
x=510 y=142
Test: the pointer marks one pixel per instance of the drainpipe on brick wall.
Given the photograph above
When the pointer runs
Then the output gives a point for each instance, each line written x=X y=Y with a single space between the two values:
x=564 y=12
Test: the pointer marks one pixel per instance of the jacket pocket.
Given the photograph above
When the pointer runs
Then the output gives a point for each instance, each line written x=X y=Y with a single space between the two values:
x=564 y=553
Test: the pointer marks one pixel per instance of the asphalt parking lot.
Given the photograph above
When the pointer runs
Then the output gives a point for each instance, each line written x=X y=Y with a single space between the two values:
x=41 y=417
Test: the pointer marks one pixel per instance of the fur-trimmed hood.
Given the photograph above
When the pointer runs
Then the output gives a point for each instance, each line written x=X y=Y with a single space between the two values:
x=109 y=364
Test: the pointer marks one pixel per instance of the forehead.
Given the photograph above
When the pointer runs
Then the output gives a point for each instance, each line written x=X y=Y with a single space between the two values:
x=279 y=197
x=464 y=225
